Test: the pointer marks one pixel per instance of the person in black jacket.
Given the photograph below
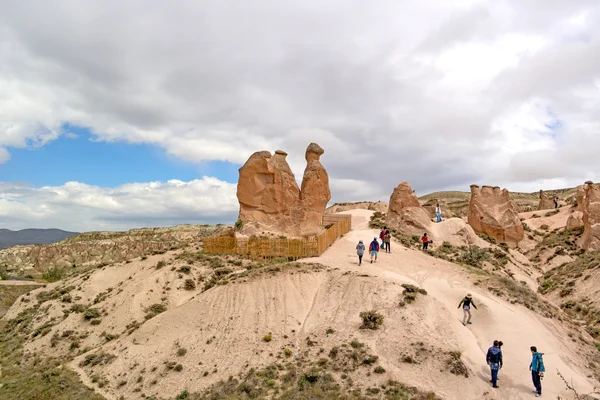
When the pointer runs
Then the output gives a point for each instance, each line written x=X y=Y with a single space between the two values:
x=494 y=360
x=466 y=304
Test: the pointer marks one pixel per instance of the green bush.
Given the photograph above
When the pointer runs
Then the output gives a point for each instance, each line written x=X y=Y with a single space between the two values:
x=91 y=313
x=371 y=319
x=53 y=274
x=238 y=224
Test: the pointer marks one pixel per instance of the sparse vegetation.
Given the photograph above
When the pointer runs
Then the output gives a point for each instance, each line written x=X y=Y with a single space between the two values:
x=154 y=310
x=53 y=274
x=91 y=313
x=371 y=319
x=267 y=338
x=189 y=284
x=455 y=364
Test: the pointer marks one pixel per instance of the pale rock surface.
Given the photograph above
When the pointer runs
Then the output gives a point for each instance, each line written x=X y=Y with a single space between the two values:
x=591 y=217
x=575 y=219
x=406 y=215
x=314 y=193
x=546 y=203
x=493 y=212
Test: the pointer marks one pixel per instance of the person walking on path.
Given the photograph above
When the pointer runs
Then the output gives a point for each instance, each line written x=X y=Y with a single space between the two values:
x=466 y=304
x=537 y=370
x=438 y=213
x=494 y=360
x=374 y=249
x=360 y=251
x=382 y=237
x=425 y=240
x=387 y=239
x=555 y=201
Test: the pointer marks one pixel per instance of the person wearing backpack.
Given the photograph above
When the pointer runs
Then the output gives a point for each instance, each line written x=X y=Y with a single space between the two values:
x=537 y=370
x=494 y=360
x=374 y=249
x=360 y=251
x=466 y=304
x=387 y=239
x=382 y=237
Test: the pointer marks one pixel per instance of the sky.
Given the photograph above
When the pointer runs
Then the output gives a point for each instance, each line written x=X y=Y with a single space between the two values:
x=116 y=115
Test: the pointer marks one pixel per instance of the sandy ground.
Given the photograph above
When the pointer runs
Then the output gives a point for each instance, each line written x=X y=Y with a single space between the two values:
x=515 y=325
x=21 y=283
x=222 y=329
x=555 y=221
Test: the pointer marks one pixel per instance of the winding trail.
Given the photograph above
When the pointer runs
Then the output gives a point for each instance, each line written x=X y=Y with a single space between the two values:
x=447 y=283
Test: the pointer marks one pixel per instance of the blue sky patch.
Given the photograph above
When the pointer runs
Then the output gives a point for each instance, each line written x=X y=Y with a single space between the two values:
x=77 y=157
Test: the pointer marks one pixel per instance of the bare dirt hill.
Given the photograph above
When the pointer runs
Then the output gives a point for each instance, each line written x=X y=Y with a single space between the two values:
x=98 y=248
x=185 y=324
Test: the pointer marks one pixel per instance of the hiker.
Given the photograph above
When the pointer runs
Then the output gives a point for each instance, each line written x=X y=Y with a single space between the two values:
x=382 y=237
x=555 y=201
x=425 y=240
x=388 y=239
x=360 y=251
x=494 y=360
x=466 y=304
x=500 y=344
x=438 y=213
x=537 y=370
x=374 y=249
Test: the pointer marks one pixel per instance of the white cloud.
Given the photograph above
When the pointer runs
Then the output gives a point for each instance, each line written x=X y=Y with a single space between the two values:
x=442 y=94
x=79 y=207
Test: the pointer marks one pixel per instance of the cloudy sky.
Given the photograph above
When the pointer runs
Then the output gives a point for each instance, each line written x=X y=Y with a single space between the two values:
x=121 y=114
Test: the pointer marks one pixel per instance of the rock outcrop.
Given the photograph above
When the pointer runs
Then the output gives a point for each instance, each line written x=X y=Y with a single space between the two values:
x=575 y=219
x=591 y=217
x=314 y=192
x=405 y=212
x=269 y=197
x=580 y=198
x=546 y=203
x=493 y=212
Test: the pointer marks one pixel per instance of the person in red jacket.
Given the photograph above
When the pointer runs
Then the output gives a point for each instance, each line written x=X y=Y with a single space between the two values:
x=374 y=249
x=425 y=240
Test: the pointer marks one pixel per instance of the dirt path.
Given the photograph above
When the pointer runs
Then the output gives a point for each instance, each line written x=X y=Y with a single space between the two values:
x=447 y=283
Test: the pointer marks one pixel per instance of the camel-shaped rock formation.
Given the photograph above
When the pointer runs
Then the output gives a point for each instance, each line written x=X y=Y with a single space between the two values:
x=269 y=197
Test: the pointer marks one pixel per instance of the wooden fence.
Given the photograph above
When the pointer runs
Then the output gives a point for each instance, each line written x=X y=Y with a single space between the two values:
x=264 y=247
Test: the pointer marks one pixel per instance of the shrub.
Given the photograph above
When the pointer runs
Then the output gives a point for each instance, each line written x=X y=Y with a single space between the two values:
x=95 y=321
x=91 y=313
x=474 y=256
x=189 y=284
x=267 y=338
x=330 y=331
x=154 y=310
x=544 y=227
x=379 y=370
x=371 y=319
x=185 y=269
x=160 y=264
x=181 y=352
x=551 y=213
x=178 y=368
x=238 y=224
x=53 y=274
